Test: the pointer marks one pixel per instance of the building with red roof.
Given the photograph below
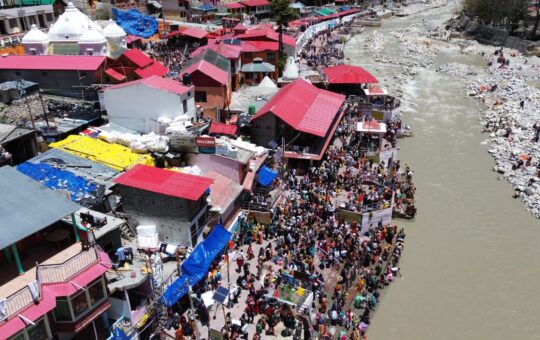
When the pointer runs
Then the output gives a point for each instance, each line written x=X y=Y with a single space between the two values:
x=70 y=76
x=258 y=8
x=213 y=88
x=138 y=104
x=134 y=64
x=173 y=201
x=303 y=115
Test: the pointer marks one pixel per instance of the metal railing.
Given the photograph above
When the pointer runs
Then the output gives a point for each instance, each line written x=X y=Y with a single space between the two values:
x=60 y=272
x=48 y=273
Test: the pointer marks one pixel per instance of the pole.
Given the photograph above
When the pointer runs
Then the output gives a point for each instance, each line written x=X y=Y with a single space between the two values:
x=192 y=312
x=77 y=238
x=44 y=111
x=95 y=330
x=17 y=259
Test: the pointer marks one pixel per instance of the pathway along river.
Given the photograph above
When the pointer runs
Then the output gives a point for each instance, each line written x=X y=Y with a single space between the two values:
x=471 y=265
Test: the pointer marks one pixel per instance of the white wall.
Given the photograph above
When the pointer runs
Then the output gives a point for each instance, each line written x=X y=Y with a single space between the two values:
x=138 y=107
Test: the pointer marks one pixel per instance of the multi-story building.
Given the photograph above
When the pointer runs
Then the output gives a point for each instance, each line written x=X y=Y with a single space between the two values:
x=52 y=282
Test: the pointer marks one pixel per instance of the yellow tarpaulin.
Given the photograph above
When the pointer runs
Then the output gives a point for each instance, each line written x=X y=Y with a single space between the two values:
x=113 y=155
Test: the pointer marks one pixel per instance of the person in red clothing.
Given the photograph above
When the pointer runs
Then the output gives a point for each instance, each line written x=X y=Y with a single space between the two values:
x=240 y=262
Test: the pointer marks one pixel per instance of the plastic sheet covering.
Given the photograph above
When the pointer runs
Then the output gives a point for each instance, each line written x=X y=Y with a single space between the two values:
x=266 y=176
x=196 y=265
x=113 y=155
x=80 y=190
x=135 y=23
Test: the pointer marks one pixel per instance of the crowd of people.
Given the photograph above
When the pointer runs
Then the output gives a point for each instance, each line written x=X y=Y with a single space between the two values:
x=325 y=49
x=172 y=53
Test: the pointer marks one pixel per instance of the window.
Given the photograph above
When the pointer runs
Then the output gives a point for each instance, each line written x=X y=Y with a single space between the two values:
x=44 y=74
x=270 y=56
x=39 y=331
x=184 y=105
x=17 y=73
x=96 y=292
x=249 y=55
x=13 y=23
x=62 y=311
x=49 y=16
x=79 y=303
x=200 y=96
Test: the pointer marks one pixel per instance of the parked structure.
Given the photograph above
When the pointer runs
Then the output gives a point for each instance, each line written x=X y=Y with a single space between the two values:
x=19 y=142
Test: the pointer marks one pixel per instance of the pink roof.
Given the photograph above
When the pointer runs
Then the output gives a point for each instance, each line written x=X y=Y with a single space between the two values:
x=227 y=51
x=348 y=74
x=268 y=33
x=155 y=69
x=132 y=38
x=256 y=46
x=210 y=70
x=115 y=74
x=52 y=62
x=253 y=3
x=240 y=27
x=50 y=292
x=138 y=57
x=223 y=129
x=165 y=182
x=234 y=5
x=194 y=32
x=304 y=107
x=156 y=82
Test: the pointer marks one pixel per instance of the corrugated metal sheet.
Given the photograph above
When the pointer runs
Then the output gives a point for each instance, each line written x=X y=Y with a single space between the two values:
x=27 y=206
x=304 y=107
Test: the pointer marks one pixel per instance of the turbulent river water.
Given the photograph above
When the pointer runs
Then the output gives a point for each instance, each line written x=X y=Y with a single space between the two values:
x=471 y=262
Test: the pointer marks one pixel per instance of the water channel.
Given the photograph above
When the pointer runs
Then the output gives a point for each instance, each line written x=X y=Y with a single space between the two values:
x=471 y=261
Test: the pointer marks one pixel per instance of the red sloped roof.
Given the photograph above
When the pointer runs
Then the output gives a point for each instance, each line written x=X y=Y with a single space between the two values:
x=52 y=62
x=210 y=70
x=227 y=51
x=261 y=46
x=240 y=27
x=348 y=74
x=223 y=129
x=138 y=57
x=268 y=33
x=155 y=69
x=304 y=107
x=165 y=182
x=253 y=3
x=234 y=5
x=194 y=32
x=156 y=82
x=132 y=38
x=247 y=46
x=115 y=74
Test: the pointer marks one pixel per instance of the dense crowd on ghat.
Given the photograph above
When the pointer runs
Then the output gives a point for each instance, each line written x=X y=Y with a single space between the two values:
x=346 y=266
x=173 y=53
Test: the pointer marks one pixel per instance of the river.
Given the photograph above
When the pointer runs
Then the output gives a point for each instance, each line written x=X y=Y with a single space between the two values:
x=470 y=265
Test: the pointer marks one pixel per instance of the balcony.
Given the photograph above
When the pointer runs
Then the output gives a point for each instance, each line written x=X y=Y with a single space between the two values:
x=59 y=267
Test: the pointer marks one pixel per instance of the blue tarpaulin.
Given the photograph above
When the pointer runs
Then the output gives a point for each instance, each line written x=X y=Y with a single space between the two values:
x=135 y=23
x=197 y=264
x=266 y=176
x=118 y=334
x=58 y=179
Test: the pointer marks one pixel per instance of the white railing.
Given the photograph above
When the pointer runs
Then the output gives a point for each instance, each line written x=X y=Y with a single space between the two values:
x=48 y=273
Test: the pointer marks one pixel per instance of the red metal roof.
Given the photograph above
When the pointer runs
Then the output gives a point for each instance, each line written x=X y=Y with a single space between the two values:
x=223 y=129
x=156 y=82
x=137 y=57
x=115 y=74
x=234 y=5
x=165 y=182
x=50 y=292
x=267 y=33
x=132 y=38
x=256 y=46
x=194 y=32
x=253 y=3
x=154 y=69
x=209 y=70
x=240 y=27
x=52 y=62
x=348 y=74
x=304 y=107
x=227 y=51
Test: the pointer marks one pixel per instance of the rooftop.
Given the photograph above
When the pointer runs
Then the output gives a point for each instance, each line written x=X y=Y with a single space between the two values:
x=165 y=84
x=27 y=206
x=304 y=107
x=12 y=132
x=223 y=192
x=52 y=62
x=165 y=182
x=209 y=70
x=348 y=74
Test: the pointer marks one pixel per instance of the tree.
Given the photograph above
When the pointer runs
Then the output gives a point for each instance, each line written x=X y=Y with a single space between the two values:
x=497 y=13
x=282 y=14
x=537 y=19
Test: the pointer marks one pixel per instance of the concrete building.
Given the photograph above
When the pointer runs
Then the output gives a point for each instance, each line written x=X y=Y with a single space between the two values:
x=52 y=283
x=137 y=105
x=172 y=201
x=70 y=76
x=20 y=19
x=19 y=142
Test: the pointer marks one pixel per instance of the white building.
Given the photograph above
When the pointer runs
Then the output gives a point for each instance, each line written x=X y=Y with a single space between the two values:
x=74 y=33
x=137 y=105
